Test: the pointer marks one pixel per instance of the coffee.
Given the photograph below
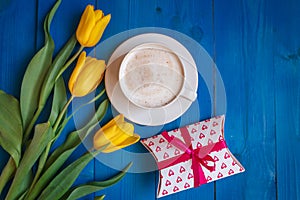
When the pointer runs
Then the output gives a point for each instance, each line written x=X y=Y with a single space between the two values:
x=151 y=76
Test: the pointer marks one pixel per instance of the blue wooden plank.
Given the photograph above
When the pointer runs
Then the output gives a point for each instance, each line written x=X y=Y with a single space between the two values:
x=174 y=16
x=134 y=185
x=17 y=41
x=119 y=10
x=257 y=53
x=193 y=18
x=286 y=32
x=244 y=43
x=140 y=14
x=17 y=44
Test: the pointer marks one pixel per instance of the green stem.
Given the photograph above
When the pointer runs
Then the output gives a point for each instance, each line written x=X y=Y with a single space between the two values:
x=77 y=109
x=61 y=114
x=41 y=165
x=7 y=173
x=41 y=107
x=44 y=156
x=31 y=124
x=69 y=62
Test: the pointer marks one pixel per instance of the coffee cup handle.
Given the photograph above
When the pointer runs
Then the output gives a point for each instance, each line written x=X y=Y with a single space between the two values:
x=188 y=94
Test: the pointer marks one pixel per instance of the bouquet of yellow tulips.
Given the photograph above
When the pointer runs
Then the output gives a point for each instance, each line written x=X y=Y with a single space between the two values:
x=36 y=172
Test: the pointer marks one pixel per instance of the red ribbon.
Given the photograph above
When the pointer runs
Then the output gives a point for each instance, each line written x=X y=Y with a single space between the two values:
x=200 y=156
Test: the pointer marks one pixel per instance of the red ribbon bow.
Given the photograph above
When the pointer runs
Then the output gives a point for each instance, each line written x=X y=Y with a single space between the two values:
x=200 y=156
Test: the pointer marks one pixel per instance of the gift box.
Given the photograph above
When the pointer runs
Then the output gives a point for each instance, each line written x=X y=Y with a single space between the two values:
x=191 y=156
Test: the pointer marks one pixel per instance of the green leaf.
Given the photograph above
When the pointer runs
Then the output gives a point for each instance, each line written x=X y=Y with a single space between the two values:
x=64 y=180
x=75 y=138
x=25 y=185
x=99 y=197
x=59 y=99
x=55 y=68
x=43 y=134
x=7 y=173
x=86 y=189
x=62 y=153
x=51 y=170
x=35 y=73
x=11 y=131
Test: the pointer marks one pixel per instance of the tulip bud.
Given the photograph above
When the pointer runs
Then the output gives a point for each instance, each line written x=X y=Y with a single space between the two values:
x=117 y=134
x=87 y=75
x=91 y=26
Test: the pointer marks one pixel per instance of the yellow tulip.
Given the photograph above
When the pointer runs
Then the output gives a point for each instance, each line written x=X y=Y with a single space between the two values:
x=87 y=75
x=117 y=134
x=91 y=26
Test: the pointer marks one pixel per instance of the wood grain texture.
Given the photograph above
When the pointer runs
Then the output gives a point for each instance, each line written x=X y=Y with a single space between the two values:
x=193 y=18
x=125 y=15
x=229 y=57
x=286 y=33
x=244 y=29
x=256 y=48
x=17 y=44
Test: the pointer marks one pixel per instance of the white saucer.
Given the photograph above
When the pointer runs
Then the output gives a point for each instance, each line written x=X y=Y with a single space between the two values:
x=151 y=116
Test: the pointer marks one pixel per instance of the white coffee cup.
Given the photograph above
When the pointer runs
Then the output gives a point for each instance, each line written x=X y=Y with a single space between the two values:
x=153 y=76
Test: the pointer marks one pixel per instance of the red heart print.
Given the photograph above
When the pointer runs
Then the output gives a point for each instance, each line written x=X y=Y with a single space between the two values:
x=161 y=176
x=212 y=132
x=164 y=192
x=207 y=120
x=161 y=140
x=241 y=169
x=215 y=124
x=197 y=123
x=226 y=155
x=166 y=155
x=154 y=136
x=175 y=130
x=199 y=145
x=223 y=166
x=186 y=185
x=176 y=152
x=168 y=183
x=194 y=130
x=204 y=127
x=216 y=158
x=208 y=178
x=220 y=175
x=175 y=189
x=158 y=149
x=210 y=142
x=169 y=146
x=190 y=176
x=233 y=163
x=150 y=143
x=171 y=173
x=221 y=138
x=182 y=169
x=230 y=172
x=201 y=136
x=178 y=179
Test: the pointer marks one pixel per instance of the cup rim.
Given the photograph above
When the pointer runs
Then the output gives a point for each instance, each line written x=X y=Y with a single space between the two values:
x=151 y=45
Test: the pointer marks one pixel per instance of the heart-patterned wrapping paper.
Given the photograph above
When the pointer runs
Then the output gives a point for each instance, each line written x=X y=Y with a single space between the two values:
x=191 y=156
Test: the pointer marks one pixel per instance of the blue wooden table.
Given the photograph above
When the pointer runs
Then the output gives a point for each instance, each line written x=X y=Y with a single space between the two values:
x=256 y=48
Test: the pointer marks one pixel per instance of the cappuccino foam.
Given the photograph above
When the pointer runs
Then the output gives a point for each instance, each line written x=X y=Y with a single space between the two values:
x=152 y=76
